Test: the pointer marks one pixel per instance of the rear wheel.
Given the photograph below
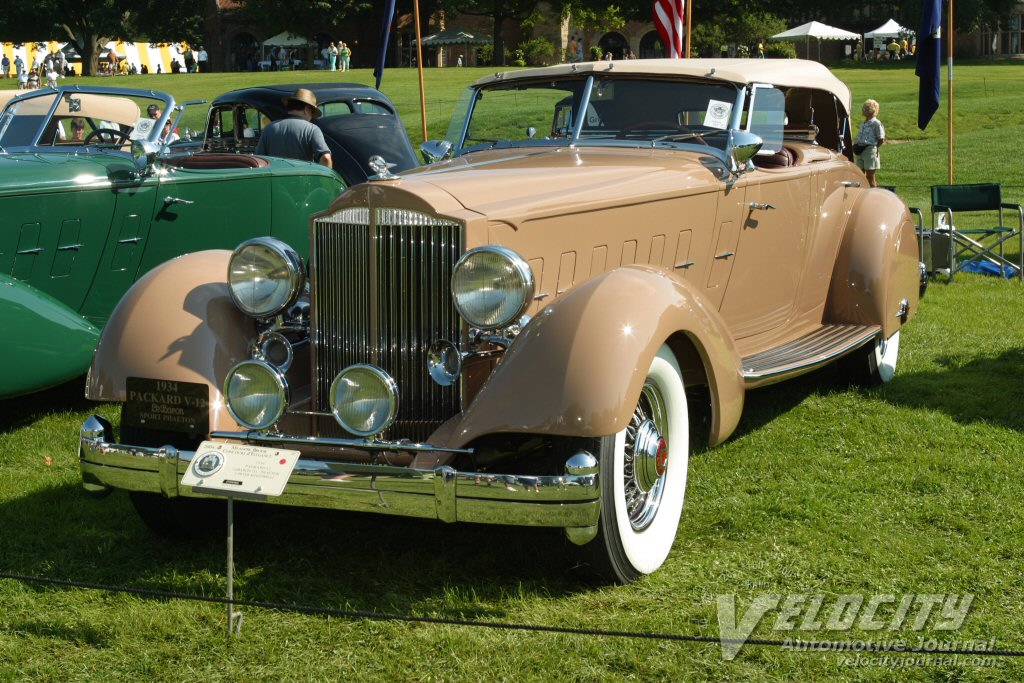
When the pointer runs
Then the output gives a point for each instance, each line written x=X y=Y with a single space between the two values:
x=643 y=478
x=872 y=364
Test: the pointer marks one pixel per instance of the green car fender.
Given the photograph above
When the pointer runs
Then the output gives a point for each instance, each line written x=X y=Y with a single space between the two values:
x=45 y=343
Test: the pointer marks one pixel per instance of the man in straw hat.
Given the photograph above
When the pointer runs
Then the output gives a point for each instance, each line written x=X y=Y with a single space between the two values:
x=294 y=137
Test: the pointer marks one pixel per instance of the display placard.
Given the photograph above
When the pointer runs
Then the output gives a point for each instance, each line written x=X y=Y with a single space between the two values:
x=169 y=405
x=240 y=469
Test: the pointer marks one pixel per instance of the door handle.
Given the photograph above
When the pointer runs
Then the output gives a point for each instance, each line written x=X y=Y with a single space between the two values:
x=177 y=200
x=761 y=205
x=850 y=183
x=725 y=255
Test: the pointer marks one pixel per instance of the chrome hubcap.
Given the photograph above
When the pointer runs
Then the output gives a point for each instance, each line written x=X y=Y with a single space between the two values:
x=646 y=458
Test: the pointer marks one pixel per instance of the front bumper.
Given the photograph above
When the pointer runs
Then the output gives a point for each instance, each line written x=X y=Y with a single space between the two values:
x=569 y=501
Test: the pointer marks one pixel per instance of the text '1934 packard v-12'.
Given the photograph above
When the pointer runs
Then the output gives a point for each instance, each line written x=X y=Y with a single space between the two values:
x=522 y=332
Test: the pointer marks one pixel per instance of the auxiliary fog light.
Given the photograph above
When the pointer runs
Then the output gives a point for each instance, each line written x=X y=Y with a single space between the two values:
x=364 y=399
x=444 y=362
x=256 y=394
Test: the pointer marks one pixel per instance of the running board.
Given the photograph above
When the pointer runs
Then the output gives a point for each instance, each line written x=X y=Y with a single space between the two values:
x=805 y=353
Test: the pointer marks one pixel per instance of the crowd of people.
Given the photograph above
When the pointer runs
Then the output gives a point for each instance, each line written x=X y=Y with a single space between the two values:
x=337 y=56
x=46 y=67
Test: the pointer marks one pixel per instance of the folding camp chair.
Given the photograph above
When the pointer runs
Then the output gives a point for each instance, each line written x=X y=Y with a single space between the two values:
x=954 y=247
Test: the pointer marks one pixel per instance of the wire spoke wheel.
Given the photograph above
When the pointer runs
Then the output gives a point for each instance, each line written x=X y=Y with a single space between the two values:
x=643 y=478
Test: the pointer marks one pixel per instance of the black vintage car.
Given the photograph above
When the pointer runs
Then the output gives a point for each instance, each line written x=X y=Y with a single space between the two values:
x=358 y=122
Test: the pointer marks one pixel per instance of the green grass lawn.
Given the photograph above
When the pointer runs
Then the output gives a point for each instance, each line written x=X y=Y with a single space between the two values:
x=914 y=487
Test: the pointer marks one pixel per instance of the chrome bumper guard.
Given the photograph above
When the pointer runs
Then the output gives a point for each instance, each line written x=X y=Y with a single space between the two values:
x=571 y=500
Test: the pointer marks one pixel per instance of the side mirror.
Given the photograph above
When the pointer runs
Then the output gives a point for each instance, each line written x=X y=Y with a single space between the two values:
x=436 y=150
x=145 y=154
x=742 y=148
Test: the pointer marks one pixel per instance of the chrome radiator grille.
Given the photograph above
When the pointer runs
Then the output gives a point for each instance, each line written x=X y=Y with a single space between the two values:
x=381 y=295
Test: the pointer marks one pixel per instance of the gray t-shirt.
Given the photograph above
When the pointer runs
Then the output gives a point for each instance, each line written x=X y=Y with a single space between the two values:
x=293 y=138
x=871 y=132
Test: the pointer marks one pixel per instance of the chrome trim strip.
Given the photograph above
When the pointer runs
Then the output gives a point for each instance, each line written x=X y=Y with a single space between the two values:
x=363 y=444
x=440 y=493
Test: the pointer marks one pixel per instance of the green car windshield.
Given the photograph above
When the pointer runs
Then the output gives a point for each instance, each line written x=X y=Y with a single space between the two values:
x=59 y=119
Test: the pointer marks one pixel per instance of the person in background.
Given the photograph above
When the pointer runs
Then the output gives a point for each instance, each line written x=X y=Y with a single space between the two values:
x=6 y=64
x=22 y=79
x=51 y=78
x=169 y=135
x=332 y=56
x=203 y=60
x=760 y=49
x=869 y=138
x=345 y=54
x=295 y=137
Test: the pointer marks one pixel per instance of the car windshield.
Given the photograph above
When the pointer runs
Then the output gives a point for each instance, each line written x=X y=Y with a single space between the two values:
x=57 y=120
x=617 y=111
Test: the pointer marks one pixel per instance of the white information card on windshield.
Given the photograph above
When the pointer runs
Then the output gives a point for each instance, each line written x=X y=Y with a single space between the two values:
x=717 y=115
x=240 y=469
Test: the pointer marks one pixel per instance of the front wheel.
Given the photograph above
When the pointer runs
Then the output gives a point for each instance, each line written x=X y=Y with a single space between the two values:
x=643 y=478
x=872 y=364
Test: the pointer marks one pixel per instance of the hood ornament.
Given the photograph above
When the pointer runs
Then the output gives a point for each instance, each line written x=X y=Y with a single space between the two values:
x=381 y=168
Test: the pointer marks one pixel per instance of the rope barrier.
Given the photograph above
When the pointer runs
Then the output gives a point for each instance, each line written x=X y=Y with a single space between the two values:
x=801 y=645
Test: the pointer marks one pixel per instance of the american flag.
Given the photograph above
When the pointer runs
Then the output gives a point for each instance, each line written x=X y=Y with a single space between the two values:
x=669 y=18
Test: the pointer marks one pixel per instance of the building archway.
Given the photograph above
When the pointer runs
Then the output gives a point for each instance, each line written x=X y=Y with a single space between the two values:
x=243 y=52
x=615 y=43
x=651 y=46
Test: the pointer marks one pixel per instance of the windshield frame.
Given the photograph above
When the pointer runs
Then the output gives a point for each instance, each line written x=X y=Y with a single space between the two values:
x=164 y=100
x=466 y=107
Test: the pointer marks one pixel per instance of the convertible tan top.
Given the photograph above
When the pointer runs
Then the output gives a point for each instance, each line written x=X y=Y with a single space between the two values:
x=782 y=72
x=117 y=109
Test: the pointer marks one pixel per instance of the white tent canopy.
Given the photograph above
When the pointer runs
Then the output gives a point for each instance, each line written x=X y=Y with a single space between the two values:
x=286 y=39
x=815 y=29
x=889 y=29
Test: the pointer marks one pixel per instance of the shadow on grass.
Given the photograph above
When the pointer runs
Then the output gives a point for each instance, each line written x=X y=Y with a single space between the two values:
x=980 y=388
x=306 y=557
x=22 y=410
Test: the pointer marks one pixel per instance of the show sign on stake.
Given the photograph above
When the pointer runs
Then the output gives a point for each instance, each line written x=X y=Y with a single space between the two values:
x=240 y=469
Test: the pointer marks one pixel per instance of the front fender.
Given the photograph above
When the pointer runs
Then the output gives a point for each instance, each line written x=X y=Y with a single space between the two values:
x=877 y=266
x=176 y=323
x=578 y=366
x=44 y=343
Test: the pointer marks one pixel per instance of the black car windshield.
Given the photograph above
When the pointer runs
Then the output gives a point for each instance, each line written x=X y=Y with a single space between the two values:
x=618 y=111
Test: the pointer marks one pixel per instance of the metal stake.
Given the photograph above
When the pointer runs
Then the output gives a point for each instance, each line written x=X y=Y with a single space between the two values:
x=234 y=618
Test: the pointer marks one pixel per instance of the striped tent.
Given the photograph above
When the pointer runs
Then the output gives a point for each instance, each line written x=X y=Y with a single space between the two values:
x=152 y=55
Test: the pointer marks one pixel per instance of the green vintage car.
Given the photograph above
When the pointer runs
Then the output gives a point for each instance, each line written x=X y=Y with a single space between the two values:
x=91 y=198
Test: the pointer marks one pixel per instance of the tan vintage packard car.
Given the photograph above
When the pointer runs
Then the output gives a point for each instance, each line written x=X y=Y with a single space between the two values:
x=522 y=332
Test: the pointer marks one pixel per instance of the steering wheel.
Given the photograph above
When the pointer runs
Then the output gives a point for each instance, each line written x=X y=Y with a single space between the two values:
x=106 y=135
x=652 y=125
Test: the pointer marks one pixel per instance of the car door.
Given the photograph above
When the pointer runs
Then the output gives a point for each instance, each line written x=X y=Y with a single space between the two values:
x=197 y=209
x=118 y=267
x=772 y=231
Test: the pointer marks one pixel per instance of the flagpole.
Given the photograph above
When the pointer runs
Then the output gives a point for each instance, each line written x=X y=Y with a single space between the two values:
x=688 y=14
x=419 y=68
x=949 y=75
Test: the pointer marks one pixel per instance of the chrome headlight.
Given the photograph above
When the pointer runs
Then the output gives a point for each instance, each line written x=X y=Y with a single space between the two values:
x=256 y=394
x=491 y=286
x=364 y=399
x=265 y=276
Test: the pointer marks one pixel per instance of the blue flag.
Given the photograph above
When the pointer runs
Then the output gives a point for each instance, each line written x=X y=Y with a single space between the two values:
x=929 y=60
x=385 y=33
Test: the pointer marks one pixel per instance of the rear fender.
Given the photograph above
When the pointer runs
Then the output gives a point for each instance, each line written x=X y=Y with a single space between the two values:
x=877 y=266
x=44 y=342
x=176 y=323
x=578 y=366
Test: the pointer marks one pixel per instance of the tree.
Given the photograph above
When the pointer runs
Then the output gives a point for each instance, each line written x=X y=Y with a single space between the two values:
x=500 y=12
x=90 y=24
x=301 y=17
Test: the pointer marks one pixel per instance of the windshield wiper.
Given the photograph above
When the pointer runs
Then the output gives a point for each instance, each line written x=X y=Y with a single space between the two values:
x=693 y=135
